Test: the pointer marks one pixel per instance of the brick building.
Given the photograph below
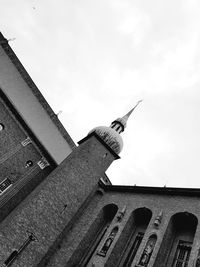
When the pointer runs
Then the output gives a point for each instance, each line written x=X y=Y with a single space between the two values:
x=58 y=207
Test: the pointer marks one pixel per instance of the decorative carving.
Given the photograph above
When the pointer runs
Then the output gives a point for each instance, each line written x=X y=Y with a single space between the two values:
x=108 y=242
x=158 y=219
x=121 y=214
x=197 y=261
x=43 y=163
x=146 y=255
x=26 y=141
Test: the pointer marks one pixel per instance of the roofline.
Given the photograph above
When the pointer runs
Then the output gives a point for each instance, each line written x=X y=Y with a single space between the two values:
x=26 y=77
x=101 y=141
x=106 y=179
x=153 y=190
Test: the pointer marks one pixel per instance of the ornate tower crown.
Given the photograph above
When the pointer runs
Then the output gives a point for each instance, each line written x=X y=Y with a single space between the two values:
x=111 y=135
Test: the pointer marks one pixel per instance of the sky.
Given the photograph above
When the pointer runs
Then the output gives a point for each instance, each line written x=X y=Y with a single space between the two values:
x=94 y=59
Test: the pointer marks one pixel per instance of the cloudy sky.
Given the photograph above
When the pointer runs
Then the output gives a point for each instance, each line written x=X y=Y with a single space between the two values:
x=94 y=59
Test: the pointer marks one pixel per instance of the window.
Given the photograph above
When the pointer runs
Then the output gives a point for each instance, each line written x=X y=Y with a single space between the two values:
x=177 y=241
x=133 y=249
x=29 y=163
x=182 y=254
x=130 y=238
x=118 y=128
x=4 y=185
x=1 y=127
x=89 y=244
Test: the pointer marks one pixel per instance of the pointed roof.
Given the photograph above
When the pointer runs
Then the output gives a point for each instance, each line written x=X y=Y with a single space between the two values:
x=111 y=135
x=125 y=117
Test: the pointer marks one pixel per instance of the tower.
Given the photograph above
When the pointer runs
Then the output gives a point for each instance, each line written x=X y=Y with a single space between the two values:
x=27 y=127
x=54 y=206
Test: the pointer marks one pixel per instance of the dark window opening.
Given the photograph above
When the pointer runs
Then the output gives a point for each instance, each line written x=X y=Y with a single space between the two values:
x=29 y=163
x=118 y=128
x=177 y=241
x=2 y=126
x=4 y=185
x=131 y=237
x=89 y=244
x=182 y=254
x=134 y=249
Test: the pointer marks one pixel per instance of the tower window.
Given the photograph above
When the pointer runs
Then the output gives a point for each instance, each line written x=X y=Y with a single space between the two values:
x=182 y=254
x=29 y=163
x=2 y=127
x=118 y=128
x=4 y=185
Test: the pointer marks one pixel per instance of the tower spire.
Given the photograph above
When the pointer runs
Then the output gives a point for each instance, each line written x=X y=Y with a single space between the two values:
x=125 y=117
x=119 y=124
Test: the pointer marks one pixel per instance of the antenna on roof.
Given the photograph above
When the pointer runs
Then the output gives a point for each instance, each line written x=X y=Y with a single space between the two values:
x=59 y=112
x=11 y=39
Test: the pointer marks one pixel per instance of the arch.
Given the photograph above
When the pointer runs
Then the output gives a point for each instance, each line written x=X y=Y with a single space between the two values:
x=94 y=235
x=130 y=239
x=177 y=241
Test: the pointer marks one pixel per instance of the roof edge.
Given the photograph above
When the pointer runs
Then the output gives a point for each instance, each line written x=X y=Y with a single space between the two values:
x=153 y=190
x=36 y=92
x=101 y=141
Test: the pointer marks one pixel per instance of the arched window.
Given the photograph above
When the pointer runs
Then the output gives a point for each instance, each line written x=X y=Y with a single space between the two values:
x=130 y=238
x=177 y=242
x=94 y=235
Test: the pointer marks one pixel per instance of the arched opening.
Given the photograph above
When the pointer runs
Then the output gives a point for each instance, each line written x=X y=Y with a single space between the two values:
x=130 y=239
x=94 y=235
x=148 y=250
x=177 y=242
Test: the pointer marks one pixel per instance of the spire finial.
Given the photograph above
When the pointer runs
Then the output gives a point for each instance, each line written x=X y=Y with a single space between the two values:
x=125 y=117
x=120 y=123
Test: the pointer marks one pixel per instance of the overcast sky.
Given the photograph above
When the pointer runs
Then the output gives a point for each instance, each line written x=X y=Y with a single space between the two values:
x=93 y=60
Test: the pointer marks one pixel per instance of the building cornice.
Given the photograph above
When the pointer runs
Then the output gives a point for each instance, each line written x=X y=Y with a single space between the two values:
x=192 y=192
